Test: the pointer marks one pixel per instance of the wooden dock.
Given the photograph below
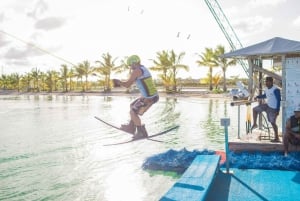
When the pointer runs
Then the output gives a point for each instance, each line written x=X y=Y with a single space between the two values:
x=258 y=141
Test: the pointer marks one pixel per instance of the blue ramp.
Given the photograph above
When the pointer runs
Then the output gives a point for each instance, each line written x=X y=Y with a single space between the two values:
x=195 y=181
x=255 y=185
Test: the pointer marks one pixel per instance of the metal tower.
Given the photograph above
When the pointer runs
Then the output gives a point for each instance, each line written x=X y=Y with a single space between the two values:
x=226 y=28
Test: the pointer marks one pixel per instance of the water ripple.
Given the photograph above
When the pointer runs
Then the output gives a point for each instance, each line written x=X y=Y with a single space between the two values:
x=52 y=148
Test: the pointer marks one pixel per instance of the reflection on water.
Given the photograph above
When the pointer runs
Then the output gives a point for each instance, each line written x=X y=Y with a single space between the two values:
x=168 y=114
x=212 y=125
x=51 y=147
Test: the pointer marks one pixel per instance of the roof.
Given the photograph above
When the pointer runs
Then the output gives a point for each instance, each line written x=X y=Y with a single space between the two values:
x=272 y=46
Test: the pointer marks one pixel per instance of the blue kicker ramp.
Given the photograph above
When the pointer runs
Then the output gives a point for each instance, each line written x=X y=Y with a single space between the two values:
x=195 y=181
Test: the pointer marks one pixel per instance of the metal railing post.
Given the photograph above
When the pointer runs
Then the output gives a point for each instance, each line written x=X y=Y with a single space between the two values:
x=226 y=122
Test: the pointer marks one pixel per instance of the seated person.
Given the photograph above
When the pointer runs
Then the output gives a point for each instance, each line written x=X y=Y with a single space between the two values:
x=292 y=131
x=272 y=107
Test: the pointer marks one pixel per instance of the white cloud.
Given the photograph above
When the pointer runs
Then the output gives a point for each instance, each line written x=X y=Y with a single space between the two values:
x=39 y=8
x=3 y=41
x=83 y=30
x=1 y=17
x=253 y=25
x=296 y=22
x=265 y=3
x=50 y=23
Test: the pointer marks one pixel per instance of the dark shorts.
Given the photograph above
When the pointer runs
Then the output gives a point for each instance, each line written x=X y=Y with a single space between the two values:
x=293 y=140
x=271 y=113
x=141 y=102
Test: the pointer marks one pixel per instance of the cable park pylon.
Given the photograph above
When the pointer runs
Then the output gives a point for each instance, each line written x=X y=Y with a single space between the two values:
x=227 y=29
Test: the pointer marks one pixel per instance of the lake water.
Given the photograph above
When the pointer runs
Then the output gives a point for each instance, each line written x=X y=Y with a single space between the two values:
x=52 y=147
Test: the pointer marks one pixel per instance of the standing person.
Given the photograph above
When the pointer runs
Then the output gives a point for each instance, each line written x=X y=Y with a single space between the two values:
x=272 y=107
x=149 y=95
x=292 y=131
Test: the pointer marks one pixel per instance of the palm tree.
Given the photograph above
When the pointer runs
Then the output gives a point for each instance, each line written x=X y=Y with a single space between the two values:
x=106 y=67
x=70 y=75
x=6 y=79
x=55 y=79
x=216 y=80
x=223 y=63
x=51 y=80
x=169 y=63
x=64 y=71
x=79 y=72
x=36 y=77
x=3 y=82
x=207 y=59
x=87 y=70
x=43 y=80
x=12 y=81
x=162 y=64
x=48 y=81
x=175 y=65
x=26 y=80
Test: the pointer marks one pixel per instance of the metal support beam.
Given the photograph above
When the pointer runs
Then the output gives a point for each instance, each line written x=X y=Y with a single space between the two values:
x=226 y=28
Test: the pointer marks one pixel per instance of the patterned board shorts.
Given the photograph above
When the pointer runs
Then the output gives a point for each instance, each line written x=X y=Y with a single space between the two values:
x=137 y=104
x=271 y=113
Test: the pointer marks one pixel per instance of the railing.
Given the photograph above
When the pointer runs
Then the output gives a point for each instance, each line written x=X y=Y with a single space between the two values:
x=263 y=124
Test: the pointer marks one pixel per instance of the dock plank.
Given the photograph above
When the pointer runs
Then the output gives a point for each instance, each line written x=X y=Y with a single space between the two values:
x=193 y=185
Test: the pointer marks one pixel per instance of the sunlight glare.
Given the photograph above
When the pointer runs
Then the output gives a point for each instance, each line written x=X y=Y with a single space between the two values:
x=123 y=184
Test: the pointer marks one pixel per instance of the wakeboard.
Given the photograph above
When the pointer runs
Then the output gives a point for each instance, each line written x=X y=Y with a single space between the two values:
x=132 y=140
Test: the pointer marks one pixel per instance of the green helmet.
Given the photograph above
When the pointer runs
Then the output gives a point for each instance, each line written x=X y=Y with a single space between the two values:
x=133 y=59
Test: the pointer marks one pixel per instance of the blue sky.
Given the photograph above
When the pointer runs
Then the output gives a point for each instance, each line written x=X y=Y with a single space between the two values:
x=78 y=30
